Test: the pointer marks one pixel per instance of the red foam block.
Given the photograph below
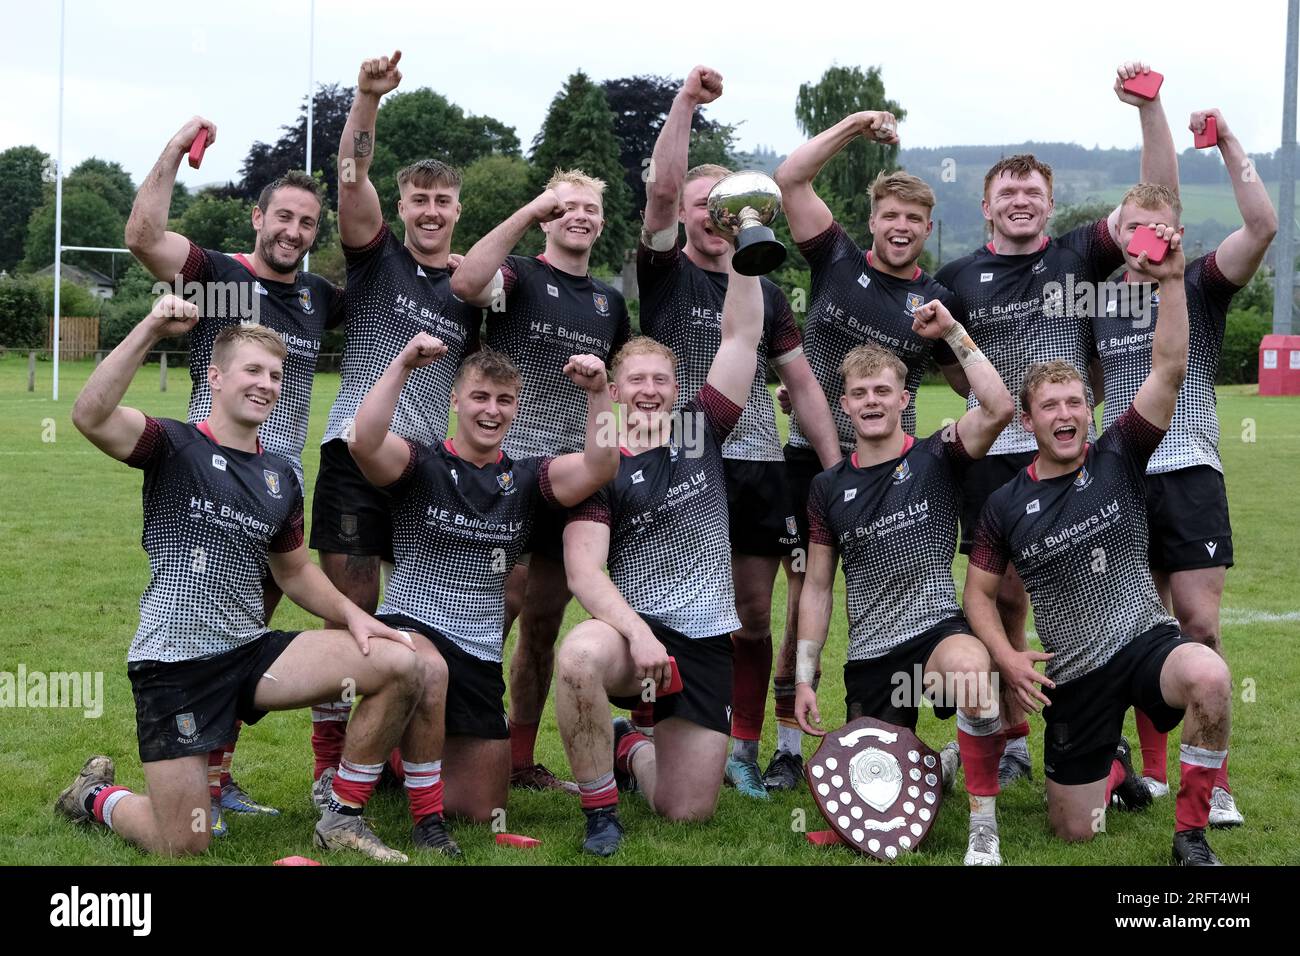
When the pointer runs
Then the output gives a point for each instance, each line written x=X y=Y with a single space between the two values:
x=517 y=840
x=297 y=861
x=823 y=837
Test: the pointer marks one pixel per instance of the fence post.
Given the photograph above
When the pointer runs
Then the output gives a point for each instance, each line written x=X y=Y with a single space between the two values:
x=99 y=357
x=162 y=374
x=31 y=371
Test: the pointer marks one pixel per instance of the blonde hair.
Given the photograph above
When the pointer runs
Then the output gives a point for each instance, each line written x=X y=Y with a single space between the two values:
x=703 y=170
x=904 y=187
x=642 y=345
x=864 y=361
x=1055 y=372
x=233 y=336
x=576 y=177
x=489 y=364
x=1154 y=196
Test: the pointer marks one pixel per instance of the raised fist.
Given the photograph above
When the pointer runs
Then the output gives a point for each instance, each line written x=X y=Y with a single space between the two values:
x=703 y=85
x=380 y=75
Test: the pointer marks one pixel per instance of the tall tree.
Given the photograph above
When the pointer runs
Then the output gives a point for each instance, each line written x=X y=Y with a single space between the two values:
x=843 y=90
x=104 y=178
x=578 y=133
x=88 y=220
x=492 y=188
x=640 y=105
x=216 y=223
x=266 y=163
x=21 y=172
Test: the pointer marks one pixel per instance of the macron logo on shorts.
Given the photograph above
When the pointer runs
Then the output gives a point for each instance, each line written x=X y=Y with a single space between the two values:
x=1211 y=546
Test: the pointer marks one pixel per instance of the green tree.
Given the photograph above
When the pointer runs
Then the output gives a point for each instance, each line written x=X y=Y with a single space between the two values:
x=22 y=317
x=88 y=220
x=106 y=179
x=1072 y=216
x=492 y=188
x=181 y=199
x=578 y=133
x=21 y=169
x=222 y=224
x=843 y=90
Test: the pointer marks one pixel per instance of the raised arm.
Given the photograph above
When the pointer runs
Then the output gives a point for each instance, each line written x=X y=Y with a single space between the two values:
x=1159 y=157
x=577 y=476
x=586 y=549
x=163 y=253
x=381 y=455
x=98 y=413
x=1240 y=254
x=475 y=276
x=982 y=424
x=732 y=371
x=672 y=148
x=806 y=212
x=1158 y=395
x=360 y=214
x=815 y=604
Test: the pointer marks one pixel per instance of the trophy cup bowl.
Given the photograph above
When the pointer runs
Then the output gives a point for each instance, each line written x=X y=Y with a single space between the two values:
x=742 y=206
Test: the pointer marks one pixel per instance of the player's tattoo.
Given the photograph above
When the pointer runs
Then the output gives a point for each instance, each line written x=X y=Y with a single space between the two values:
x=362 y=143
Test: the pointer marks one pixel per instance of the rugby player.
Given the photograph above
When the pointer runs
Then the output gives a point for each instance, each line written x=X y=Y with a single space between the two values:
x=265 y=286
x=219 y=509
x=661 y=527
x=1187 y=505
x=682 y=291
x=462 y=512
x=857 y=298
x=1003 y=290
x=891 y=510
x=1075 y=525
x=395 y=289
x=545 y=307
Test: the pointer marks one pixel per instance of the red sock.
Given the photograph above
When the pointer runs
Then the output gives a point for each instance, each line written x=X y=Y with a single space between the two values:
x=228 y=754
x=215 y=758
x=423 y=787
x=355 y=782
x=1115 y=779
x=643 y=716
x=396 y=764
x=523 y=738
x=327 y=740
x=751 y=669
x=1221 y=778
x=980 y=756
x=626 y=748
x=101 y=798
x=1155 y=748
x=1018 y=730
x=601 y=792
x=1192 y=805
x=783 y=692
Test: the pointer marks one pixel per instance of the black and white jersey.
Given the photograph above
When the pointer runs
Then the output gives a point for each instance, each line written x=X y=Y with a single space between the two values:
x=1024 y=309
x=669 y=534
x=549 y=315
x=300 y=311
x=458 y=530
x=895 y=525
x=681 y=306
x=1080 y=543
x=389 y=298
x=1124 y=332
x=854 y=303
x=211 y=515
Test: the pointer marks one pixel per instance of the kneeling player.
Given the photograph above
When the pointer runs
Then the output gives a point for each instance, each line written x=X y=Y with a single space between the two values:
x=462 y=512
x=217 y=511
x=662 y=528
x=1075 y=525
x=891 y=510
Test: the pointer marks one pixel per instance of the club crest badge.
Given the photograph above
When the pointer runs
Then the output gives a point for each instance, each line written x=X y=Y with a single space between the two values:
x=304 y=300
x=1082 y=479
x=506 y=481
x=272 y=482
x=348 y=525
x=601 y=302
x=186 y=726
x=902 y=472
x=791 y=526
x=914 y=301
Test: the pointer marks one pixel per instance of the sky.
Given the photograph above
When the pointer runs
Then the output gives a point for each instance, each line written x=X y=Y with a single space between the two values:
x=966 y=73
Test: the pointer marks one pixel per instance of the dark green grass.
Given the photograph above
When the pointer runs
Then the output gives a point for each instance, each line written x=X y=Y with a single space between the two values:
x=72 y=570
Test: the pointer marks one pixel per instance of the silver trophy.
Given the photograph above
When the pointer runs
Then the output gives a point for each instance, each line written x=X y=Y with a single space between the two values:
x=742 y=206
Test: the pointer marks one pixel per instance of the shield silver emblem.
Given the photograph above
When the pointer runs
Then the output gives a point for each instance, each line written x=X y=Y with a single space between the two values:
x=185 y=725
x=877 y=785
x=348 y=525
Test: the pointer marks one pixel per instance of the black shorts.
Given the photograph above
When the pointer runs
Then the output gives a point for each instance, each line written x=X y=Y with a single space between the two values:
x=349 y=515
x=1086 y=718
x=476 y=689
x=190 y=707
x=547 y=535
x=985 y=476
x=705 y=667
x=801 y=466
x=760 y=508
x=1187 y=511
x=879 y=687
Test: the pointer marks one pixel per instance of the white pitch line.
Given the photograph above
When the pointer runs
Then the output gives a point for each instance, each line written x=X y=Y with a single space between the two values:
x=1233 y=615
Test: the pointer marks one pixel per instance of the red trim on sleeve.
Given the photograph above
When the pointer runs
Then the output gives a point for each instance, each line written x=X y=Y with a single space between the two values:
x=544 y=482
x=594 y=509
x=818 y=531
x=198 y=266
x=1141 y=434
x=721 y=411
x=786 y=336
x=820 y=244
x=1213 y=275
x=989 y=552
x=360 y=252
x=1110 y=248
x=290 y=537
x=148 y=445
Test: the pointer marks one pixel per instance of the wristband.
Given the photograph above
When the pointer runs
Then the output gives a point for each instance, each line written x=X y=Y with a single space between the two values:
x=963 y=346
x=807 y=657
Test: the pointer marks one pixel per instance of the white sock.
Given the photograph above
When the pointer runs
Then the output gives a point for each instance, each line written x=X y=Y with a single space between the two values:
x=789 y=739
x=746 y=750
